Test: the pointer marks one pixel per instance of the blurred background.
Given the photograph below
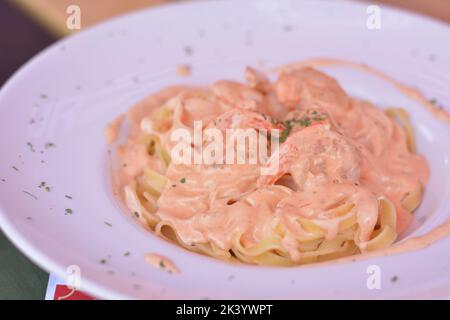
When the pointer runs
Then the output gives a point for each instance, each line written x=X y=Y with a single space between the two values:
x=28 y=26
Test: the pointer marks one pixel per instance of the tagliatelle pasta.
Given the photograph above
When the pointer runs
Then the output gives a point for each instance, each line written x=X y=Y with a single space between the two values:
x=330 y=176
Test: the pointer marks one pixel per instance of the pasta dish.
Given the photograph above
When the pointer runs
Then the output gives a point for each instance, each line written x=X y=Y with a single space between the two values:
x=339 y=176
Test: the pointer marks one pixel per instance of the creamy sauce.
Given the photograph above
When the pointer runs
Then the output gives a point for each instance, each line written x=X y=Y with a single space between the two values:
x=113 y=129
x=353 y=154
x=412 y=244
x=161 y=262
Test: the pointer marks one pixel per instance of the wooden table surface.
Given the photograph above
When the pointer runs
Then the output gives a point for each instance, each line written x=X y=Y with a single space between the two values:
x=52 y=13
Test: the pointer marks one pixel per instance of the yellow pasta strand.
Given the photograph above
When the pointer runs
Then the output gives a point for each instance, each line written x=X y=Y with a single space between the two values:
x=402 y=117
x=412 y=199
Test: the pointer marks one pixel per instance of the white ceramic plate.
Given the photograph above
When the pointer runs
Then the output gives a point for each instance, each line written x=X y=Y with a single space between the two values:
x=67 y=94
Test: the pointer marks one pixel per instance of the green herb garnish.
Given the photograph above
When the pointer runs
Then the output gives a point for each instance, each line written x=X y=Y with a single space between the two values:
x=49 y=145
x=285 y=133
x=30 y=194
x=305 y=122
x=44 y=186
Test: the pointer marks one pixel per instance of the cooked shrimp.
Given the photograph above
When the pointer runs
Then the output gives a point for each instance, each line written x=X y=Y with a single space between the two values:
x=237 y=95
x=200 y=105
x=369 y=126
x=307 y=87
x=315 y=153
x=245 y=119
x=257 y=80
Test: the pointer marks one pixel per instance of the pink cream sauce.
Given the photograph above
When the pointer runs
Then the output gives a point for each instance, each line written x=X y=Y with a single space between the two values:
x=357 y=153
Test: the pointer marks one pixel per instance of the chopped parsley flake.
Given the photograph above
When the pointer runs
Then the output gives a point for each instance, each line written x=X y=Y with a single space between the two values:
x=49 y=145
x=287 y=28
x=284 y=134
x=306 y=122
x=31 y=195
x=69 y=211
x=303 y=122
x=188 y=50
x=162 y=265
x=30 y=145
x=44 y=186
